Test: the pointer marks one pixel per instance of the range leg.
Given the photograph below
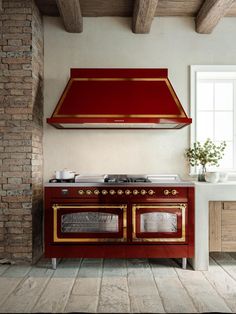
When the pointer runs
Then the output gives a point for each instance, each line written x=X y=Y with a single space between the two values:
x=184 y=262
x=54 y=263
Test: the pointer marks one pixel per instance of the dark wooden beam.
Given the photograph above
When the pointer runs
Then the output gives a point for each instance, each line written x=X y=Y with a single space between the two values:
x=144 y=11
x=1 y=9
x=210 y=14
x=71 y=15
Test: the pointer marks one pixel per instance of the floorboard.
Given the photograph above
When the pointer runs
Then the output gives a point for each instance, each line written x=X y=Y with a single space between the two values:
x=9 y=280
x=174 y=296
x=119 y=286
x=204 y=296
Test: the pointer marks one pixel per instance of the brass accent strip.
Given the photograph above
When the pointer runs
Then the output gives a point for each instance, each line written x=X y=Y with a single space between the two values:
x=166 y=80
x=183 y=237
x=57 y=239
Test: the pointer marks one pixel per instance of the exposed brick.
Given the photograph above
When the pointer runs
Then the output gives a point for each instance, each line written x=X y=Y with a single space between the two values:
x=16 y=48
x=13 y=224
x=13 y=199
x=14 y=42
x=14 y=180
x=18 y=249
x=18 y=149
x=16 y=186
x=12 y=29
x=15 y=230
x=21 y=65
x=17 y=36
x=16 y=23
x=18 y=10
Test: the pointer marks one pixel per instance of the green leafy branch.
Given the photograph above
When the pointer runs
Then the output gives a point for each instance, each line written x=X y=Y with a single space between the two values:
x=208 y=153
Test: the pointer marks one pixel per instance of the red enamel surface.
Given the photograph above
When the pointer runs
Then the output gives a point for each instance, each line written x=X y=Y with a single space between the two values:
x=119 y=98
x=129 y=248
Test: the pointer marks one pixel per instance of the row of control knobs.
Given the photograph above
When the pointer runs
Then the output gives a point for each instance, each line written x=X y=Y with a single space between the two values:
x=126 y=192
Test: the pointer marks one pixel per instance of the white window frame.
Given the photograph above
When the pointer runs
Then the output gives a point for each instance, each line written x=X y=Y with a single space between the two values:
x=194 y=70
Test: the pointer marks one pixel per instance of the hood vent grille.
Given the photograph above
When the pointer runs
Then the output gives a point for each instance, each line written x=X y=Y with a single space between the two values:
x=119 y=98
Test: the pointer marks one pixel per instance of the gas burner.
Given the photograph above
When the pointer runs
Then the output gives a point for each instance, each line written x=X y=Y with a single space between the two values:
x=61 y=180
x=124 y=178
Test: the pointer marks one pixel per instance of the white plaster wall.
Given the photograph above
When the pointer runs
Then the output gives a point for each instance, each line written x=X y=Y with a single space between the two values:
x=109 y=42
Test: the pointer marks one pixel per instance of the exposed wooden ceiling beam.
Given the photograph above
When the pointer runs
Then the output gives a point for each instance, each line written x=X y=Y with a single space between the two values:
x=210 y=14
x=71 y=14
x=143 y=14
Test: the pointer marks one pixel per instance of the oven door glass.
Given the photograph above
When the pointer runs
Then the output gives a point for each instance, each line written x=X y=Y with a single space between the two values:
x=89 y=223
x=159 y=223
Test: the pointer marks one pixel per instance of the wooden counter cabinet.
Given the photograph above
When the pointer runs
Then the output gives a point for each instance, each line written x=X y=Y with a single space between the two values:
x=222 y=226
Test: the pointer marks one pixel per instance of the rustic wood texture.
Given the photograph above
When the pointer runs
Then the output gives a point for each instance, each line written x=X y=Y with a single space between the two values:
x=204 y=296
x=119 y=285
x=223 y=283
x=210 y=14
x=125 y=8
x=71 y=15
x=222 y=227
x=143 y=15
x=229 y=205
x=170 y=288
x=215 y=226
x=0 y=5
x=229 y=227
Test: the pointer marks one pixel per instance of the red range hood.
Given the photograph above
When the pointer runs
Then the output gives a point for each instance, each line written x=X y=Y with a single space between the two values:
x=119 y=98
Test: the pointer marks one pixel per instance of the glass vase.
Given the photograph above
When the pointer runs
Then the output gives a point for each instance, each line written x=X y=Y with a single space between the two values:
x=201 y=173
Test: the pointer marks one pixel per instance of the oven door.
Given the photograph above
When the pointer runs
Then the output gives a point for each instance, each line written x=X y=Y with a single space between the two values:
x=159 y=223
x=89 y=223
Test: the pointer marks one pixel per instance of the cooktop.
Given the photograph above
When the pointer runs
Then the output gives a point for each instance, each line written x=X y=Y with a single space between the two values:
x=124 y=178
x=121 y=178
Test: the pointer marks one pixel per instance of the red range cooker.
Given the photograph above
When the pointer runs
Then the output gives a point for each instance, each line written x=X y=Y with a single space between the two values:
x=124 y=217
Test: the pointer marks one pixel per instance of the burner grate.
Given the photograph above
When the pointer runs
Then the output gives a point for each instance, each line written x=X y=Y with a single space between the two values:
x=114 y=178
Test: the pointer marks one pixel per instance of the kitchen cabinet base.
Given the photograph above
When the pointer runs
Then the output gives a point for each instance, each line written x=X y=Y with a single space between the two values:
x=119 y=251
x=184 y=259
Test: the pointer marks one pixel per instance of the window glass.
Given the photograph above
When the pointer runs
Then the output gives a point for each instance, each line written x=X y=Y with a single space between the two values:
x=223 y=126
x=205 y=94
x=214 y=109
x=224 y=96
x=204 y=125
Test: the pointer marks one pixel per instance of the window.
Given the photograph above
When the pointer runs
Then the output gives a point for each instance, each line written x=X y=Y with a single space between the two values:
x=213 y=109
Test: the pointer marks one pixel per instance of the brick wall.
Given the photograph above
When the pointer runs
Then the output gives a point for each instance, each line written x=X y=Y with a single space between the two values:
x=21 y=78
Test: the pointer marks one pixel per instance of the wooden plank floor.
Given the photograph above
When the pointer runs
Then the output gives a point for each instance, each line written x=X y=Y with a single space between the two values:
x=119 y=286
